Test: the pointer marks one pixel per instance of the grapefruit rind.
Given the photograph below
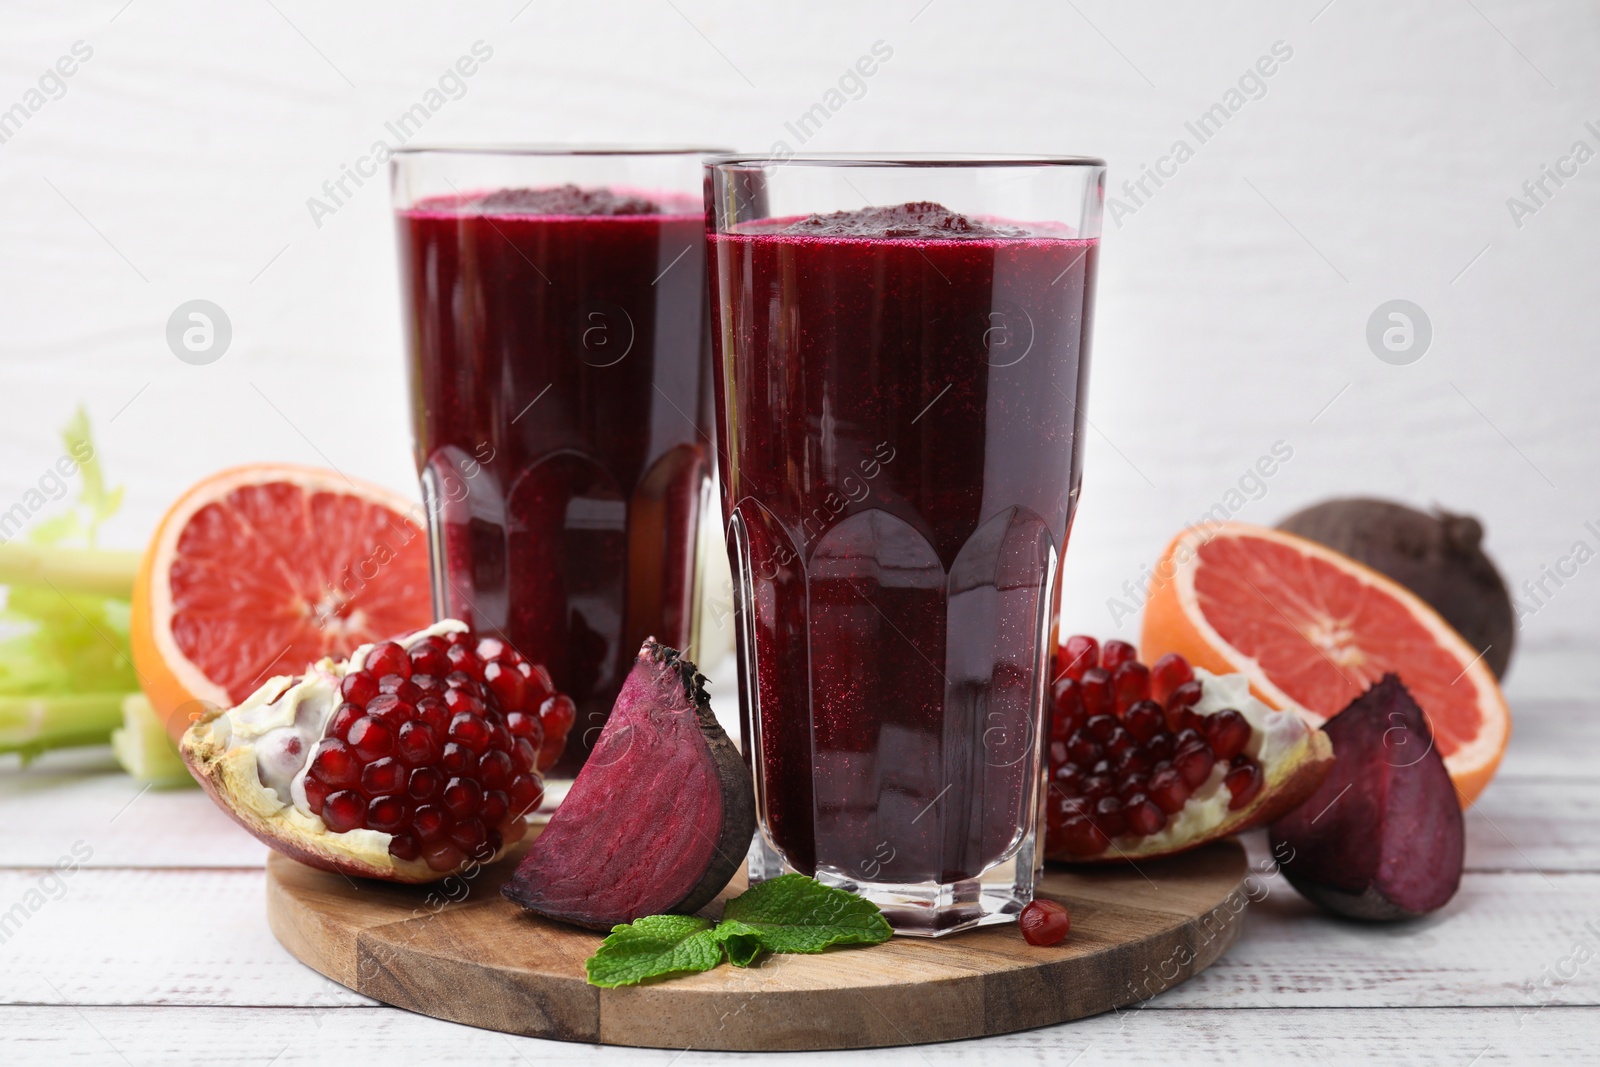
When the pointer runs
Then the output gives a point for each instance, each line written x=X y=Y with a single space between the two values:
x=1174 y=622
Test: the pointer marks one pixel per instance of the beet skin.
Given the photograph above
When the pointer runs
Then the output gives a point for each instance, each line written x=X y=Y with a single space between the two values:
x=1382 y=837
x=660 y=816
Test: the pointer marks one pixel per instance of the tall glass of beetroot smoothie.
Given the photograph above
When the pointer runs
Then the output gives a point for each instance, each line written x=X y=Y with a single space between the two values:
x=556 y=326
x=901 y=347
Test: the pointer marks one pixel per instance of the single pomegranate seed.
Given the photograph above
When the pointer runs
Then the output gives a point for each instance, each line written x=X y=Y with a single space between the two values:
x=1130 y=683
x=1096 y=685
x=1044 y=922
x=540 y=685
x=500 y=738
x=1120 y=741
x=417 y=743
x=371 y=739
x=335 y=764
x=557 y=714
x=387 y=658
x=1076 y=656
x=1134 y=783
x=1193 y=763
x=391 y=710
x=522 y=724
x=1114 y=654
x=1082 y=837
x=359 y=687
x=550 y=751
x=1068 y=779
x=1133 y=761
x=428 y=658
x=506 y=683
x=387 y=775
x=527 y=754
x=344 y=810
x=1244 y=781
x=460 y=701
x=463 y=797
x=466 y=661
x=1186 y=695
x=1160 y=747
x=461 y=638
x=1142 y=816
x=343 y=719
x=1096 y=786
x=495 y=805
x=1108 y=815
x=387 y=814
x=1066 y=698
x=1186 y=719
x=443 y=856
x=1188 y=737
x=469 y=730
x=491 y=648
x=433 y=711
x=1144 y=720
x=1168 y=790
x=1083 y=749
x=467 y=835
x=425 y=783
x=316 y=792
x=525 y=793
x=427 y=683
x=1101 y=726
x=457 y=759
x=495 y=770
x=404 y=847
x=1227 y=732
x=428 y=823
x=1169 y=672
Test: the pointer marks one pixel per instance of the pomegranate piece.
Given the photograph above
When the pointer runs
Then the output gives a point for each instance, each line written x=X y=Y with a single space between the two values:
x=621 y=845
x=1135 y=751
x=1044 y=922
x=1077 y=655
x=403 y=739
x=1382 y=838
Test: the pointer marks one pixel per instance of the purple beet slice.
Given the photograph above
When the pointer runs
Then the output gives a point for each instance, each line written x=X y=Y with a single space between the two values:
x=1382 y=837
x=660 y=816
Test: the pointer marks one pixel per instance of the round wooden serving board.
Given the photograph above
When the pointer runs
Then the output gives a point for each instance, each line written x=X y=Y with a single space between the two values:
x=458 y=950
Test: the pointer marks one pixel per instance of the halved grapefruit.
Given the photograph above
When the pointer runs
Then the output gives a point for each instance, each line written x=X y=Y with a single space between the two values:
x=1312 y=629
x=261 y=570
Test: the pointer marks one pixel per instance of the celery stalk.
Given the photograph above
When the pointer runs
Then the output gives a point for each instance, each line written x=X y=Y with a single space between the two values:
x=31 y=724
x=93 y=571
x=144 y=749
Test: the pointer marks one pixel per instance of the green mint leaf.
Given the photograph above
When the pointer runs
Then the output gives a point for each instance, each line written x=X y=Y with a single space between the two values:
x=793 y=913
x=653 y=946
x=742 y=943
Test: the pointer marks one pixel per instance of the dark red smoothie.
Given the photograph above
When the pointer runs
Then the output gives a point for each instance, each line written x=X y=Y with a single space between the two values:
x=899 y=389
x=560 y=391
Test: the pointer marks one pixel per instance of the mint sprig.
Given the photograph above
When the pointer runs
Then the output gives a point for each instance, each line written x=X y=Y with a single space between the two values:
x=791 y=913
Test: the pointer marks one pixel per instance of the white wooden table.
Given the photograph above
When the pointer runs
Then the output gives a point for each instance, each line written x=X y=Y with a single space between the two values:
x=156 y=950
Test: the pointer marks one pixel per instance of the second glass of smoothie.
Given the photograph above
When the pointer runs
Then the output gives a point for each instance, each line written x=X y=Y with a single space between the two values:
x=555 y=317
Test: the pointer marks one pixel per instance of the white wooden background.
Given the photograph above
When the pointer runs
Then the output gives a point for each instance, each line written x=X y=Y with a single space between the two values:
x=1376 y=164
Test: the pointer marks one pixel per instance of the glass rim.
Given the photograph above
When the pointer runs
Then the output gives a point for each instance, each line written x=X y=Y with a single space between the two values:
x=733 y=160
x=553 y=150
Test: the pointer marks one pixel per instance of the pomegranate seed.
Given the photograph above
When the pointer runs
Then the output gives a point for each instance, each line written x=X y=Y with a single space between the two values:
x=404 y=847
x=540 y=686
x=1143 y=816
x=1066 y=698
x=1133 y=761
x=1168 y=673
x=1082 y=837
x=466 y=661
x=525 y=793
x=1144 y=720
x=501 y=738
x=1068 y=779
x=491 y=648
x=1186 y=719
x=343 y=719
x=1108 y=815
x=1186 y=695
x=469 y=730
x=495 y=805
x=527 y=754
x=1083 y=749
x=1096 y=685
x=458 y=759
x=467 y=835
x=1227 y=732
x=1168 y=790
x=1120 y=742
x=495 y=770
x=388 y=658
x=459 y=701
x=507 y=684
x=433 y=711
x=1194 y=765
x=358 y=687
x=425 y=783
x=1115 y=653
x=387 y=814
x=1101 y=726
x=1134 y=783
x=417 y=744
x=1044 y=922
x=1160 y=747
x=344 y=810
x=429 y=659
x=463 y=797
x=522 y=724
x=443 y=856
x=428 y=823
x=1130 y=683
x=387 y=775
x=550 y=751
x=335 y=764
x=316 y=793
x=1079 y=654
x=391 y=710
x=371 y=739
x=1098 y=785
x=1188 y=737
x=427 y=683
x=465 y=640
x=1244 y=781
x=557 y=714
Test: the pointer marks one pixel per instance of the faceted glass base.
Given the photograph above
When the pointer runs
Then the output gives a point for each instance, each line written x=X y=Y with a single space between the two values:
x=926 y=909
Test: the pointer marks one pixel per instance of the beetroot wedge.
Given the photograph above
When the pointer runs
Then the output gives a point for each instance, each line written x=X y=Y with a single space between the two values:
x=660 y=816
x=1382 y=837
